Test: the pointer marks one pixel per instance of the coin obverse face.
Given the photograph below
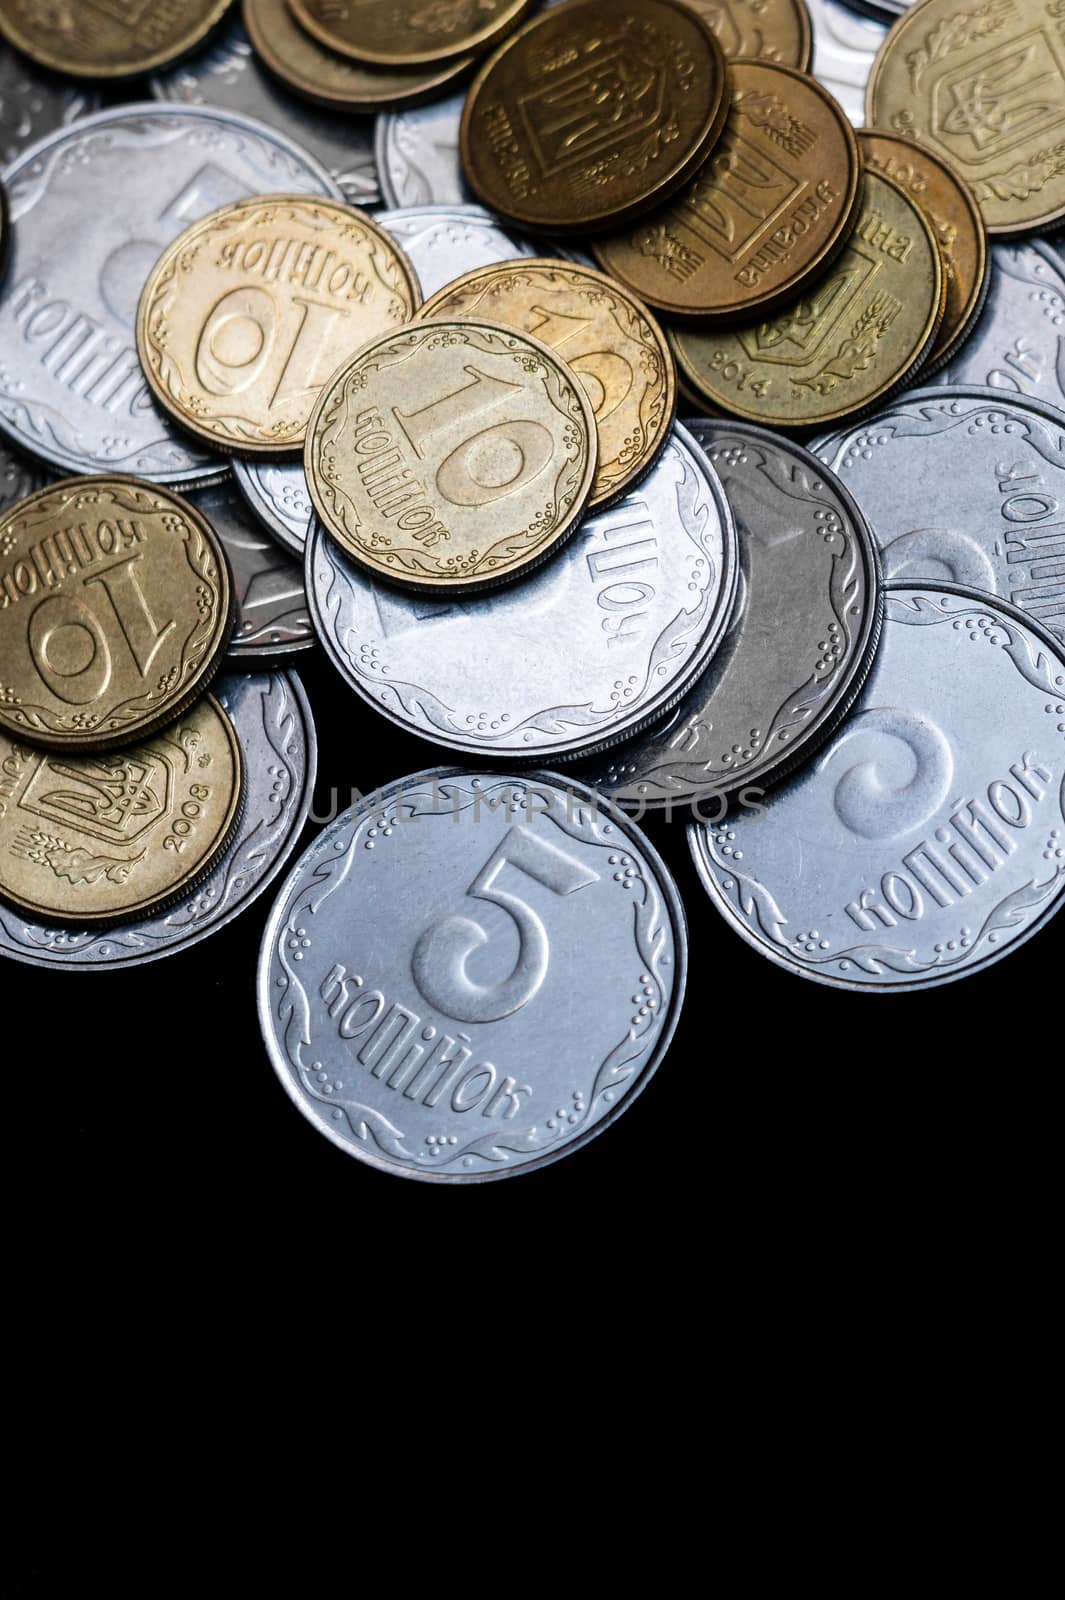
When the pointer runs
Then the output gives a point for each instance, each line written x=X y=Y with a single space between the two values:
x=97 y=39
x=771 y=30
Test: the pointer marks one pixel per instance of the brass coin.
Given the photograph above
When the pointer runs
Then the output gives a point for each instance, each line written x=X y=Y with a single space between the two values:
x=306 y=65
x=115 y=608
x=983 y=85
x=770 y=208
x=408 y=33
x=606 y=337
x=116 y=837
x=771 y=30
x=452 y=455
x=957 y=226
x=594 y=111
x=250 y=310
x=108 y=38
x=859 y=333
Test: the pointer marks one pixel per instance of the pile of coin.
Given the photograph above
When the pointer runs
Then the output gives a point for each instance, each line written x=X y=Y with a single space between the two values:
x=820 y=619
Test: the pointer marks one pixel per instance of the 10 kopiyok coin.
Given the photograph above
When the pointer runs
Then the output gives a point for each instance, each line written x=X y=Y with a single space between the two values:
x=107 y=41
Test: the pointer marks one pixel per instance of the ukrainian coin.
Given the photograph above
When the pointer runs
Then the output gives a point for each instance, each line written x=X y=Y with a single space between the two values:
x=956 y=223
x=591 y=113
x=964 y=486
x=768 y=211
x=928 y=837
x=97 y=39
x=252 y=308
x=115 y=610
x=854 y=337
x=604 y=335
x=772 y=30
x=882 y=10
x=592 y=647
x=277 y=492
x=33 y=104
x=230 y=74
x=5 y=230
x=417 y=155
x=845 y=48
x=983 y=85
x=269 y=598
x=275 y=731
x=92 y=208
x=808 y=583
x=422 y=968
x=18 y=477
x=452 y=455
x=108 y=838
x=408 y=33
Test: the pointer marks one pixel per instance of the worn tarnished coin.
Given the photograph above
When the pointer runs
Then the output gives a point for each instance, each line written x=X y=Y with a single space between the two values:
x=18 y=477
x=275 y=730
x=845 y=48
x=269 y=601
x=805 y=625
x=33 y=104
x=251 y=309
x=966 y=486
x=772 y=30
x=423 y=967
x=452 y=455
x=115 y=609
x=590 y=648
x=593 y=112
x=956 y=223
x=927 y=839
x=408 y=33
x=854 y=337
x=1018 y=343
x=983 y=85
x=606 y=338
x=105 y=39
x=767 y=212
x=89 y=839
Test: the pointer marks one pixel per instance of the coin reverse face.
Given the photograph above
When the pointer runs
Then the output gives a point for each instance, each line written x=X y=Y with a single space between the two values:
x=406 y=33
x=102 y=39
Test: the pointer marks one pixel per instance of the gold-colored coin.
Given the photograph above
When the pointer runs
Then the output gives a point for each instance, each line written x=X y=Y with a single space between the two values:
x=767 y=212
x=452 y=455
x=771 y=30
x=110 y=838
x=957 y=226
x=844 y=344
x=108 y=38
x=593 y=112
x=250 y=310
x=605 y=336
x=313 y=70
x=983 y=85
x=407 y=33
x=116 y=604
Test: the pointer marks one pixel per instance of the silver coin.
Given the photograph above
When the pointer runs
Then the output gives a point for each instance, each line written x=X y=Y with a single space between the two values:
x=590 y=647
x=92 y=208
x=276 y=491
x=276 y=730
x=928 y=837
x=1018 y=343
x=809 y=584
x=472 y=976
x=964 y=486
x=271 y=603
x=845 y=47
x=230 y=76
x=885 y=11
x=18 y=477
x=417 y=155
x=33 y=104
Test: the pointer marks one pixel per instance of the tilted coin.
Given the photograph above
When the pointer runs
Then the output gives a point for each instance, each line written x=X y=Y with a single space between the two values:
x=407 y=33
x=253 y=307
x=801 y=641
x=270 y=602
x=121 y=184
x=590 y=648
x=275 y=731
x=983 y=85
x=416 y=152
x=34 y=103
x=845 y=48
x=424 y=968
x=772 y=30
x=606 y=338
x=230 y=74
x=91 y=839
x=592 y=112
x=957 y=226
x=857 y=335
x=767 y=212
x=964 y=486
x=18 y=477
x=452 y=455
x=91 y=39
x=927 y=839
x=882 y=10
x=115 y=609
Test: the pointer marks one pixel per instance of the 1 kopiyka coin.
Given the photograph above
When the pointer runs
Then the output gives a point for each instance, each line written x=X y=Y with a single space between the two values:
x=107 y=41
x=116 y=606
x=606 y=337
x=772 y=30
x=110 y=838
x=957 y=226
x=452 y=455
x=853 y=338
x=983 y=85
x=249 y=311
x=593 y=112
x=768 y=211
x=408 y=33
